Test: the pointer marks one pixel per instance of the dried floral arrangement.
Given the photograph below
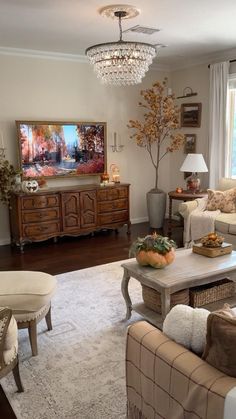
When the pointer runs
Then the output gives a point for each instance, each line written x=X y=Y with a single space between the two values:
x=161 y=119
x=7 y=179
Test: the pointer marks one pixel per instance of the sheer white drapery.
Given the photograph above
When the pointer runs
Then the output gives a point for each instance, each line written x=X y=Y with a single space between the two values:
x=217 y=125
x=231 y=124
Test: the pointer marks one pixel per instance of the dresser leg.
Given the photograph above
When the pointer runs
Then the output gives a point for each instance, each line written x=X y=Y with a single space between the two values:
x=128 y=228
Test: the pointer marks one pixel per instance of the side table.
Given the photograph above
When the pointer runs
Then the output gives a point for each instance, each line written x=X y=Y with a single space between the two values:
x=181 y=196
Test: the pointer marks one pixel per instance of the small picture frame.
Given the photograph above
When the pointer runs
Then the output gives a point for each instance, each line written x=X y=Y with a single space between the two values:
x=190 y=143
x=191 y=114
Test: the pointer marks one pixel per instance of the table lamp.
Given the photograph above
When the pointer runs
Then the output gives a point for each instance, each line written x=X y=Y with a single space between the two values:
x=194 y=163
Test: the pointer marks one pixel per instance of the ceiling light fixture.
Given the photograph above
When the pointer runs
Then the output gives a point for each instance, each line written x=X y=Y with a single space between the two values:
x=121 y=62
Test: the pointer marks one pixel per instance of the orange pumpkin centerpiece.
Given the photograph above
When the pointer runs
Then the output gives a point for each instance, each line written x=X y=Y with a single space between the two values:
x=154 y=250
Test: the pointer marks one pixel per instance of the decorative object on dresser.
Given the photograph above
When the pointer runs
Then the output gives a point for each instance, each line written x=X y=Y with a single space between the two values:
x=30 y=186
x=72 y=211
x=61 y=148
x=115 y=173
x=161 y=119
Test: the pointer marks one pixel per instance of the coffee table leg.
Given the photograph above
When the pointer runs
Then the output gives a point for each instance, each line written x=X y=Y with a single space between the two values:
x=165 y=302
x=125 y=293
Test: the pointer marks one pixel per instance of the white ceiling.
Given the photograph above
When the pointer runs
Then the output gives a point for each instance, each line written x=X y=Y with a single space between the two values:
x=192 y=29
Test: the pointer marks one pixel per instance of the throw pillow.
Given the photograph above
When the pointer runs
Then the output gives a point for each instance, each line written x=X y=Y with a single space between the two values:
x=224 y=201
x=221 y=341
x=187 y=326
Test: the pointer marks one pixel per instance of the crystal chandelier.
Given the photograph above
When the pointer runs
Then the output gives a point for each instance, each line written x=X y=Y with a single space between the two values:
x=121 y=62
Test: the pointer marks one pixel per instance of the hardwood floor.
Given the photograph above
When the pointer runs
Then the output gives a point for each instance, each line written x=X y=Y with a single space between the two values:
x=71 y=254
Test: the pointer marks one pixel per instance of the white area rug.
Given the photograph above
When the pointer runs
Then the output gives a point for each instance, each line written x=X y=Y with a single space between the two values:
x=80 y=370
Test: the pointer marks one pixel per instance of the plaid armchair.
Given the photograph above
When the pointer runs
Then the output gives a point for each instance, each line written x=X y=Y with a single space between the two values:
x=164 y=380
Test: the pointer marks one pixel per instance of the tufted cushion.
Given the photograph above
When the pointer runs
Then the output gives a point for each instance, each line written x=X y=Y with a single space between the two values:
x=25 y=290
x=221 y=200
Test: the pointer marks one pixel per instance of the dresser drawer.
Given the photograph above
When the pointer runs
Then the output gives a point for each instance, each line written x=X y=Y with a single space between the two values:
x=42 y=229
x=112 y=193
x=39 y=201
x=40 y=215
x=107 y=206
x=114 y=217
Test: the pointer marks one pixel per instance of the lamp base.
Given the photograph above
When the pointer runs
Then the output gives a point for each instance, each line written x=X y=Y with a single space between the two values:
x=193 y=183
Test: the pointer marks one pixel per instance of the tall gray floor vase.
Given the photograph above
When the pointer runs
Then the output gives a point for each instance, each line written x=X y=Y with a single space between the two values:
x=156 y=205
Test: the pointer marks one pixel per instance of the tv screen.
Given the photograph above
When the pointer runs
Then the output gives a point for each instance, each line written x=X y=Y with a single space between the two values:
x=61 y=148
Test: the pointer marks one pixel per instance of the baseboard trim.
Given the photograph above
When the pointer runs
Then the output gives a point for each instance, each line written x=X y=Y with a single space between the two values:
x=4 y=242
x=139 y=220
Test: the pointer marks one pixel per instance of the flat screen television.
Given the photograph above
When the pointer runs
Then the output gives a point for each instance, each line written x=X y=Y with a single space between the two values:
x=53 y=149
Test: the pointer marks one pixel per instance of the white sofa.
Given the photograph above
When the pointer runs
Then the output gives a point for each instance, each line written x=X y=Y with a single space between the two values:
x=224 y=223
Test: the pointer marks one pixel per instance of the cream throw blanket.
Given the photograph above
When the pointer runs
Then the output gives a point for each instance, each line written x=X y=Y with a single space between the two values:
x=199 y=222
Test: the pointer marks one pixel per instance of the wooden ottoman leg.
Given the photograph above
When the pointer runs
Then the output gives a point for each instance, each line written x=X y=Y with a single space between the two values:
x=32 y=328
x=16 y=374
x=49 y=319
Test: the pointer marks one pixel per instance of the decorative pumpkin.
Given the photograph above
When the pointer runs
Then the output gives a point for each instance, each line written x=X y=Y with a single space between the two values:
x=30 y=186
x=154 y=250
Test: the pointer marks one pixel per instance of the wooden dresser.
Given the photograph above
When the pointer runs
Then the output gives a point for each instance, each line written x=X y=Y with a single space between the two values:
x=55 y=212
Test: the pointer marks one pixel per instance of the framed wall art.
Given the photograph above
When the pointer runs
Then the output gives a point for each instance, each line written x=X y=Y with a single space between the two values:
x=190 y=143
x=53 y=149
x=191 y=114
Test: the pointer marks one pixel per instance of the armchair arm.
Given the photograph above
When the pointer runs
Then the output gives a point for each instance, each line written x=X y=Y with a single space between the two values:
x=164 y=379
x=185 y=208
x=5 y=317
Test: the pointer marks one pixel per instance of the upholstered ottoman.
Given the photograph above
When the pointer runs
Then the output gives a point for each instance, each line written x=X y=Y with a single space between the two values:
x=29 y=295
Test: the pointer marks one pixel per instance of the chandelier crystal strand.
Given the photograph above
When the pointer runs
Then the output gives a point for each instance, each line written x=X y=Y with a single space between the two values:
x=121 y=62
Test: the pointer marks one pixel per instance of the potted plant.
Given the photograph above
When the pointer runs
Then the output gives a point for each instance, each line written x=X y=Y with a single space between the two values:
x=154 y=250
x=7 y=179
x=157 y=135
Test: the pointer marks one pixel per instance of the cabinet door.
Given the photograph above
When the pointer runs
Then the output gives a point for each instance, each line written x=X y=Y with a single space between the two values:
x=70 y=211
x=88 y=209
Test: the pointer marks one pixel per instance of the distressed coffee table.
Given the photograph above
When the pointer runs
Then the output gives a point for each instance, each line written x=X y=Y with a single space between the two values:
x=188 y=270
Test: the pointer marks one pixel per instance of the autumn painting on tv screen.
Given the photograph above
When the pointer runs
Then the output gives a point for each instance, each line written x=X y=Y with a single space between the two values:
x=61 y=149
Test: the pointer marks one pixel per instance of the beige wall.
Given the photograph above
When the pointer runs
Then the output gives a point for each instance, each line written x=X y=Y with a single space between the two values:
x=46 y=89
x=197 y=78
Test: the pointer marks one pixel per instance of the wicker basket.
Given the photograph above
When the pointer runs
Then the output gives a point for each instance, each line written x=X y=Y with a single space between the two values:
x=152 y=298
x=209 y=293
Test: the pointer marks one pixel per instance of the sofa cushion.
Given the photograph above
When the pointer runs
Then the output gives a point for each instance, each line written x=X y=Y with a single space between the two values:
x=226 y=183
x=221 y=341
x=26 y=290
x=221 y=200
x=226 y=223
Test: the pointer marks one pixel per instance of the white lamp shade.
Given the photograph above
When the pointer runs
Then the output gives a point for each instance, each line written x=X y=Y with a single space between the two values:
x=194 y=163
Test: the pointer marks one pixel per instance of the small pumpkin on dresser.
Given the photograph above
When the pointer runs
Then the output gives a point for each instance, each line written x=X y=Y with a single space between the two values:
x=154 y=250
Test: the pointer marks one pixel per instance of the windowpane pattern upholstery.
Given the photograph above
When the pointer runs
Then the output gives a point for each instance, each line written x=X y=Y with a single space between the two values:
x=165 y=380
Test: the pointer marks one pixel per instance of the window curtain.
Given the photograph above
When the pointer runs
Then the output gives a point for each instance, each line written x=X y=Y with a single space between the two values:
x=219 y=73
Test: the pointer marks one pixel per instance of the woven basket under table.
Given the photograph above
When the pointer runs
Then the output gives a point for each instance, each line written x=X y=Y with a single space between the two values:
x=152 y=298
x=210 y=293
